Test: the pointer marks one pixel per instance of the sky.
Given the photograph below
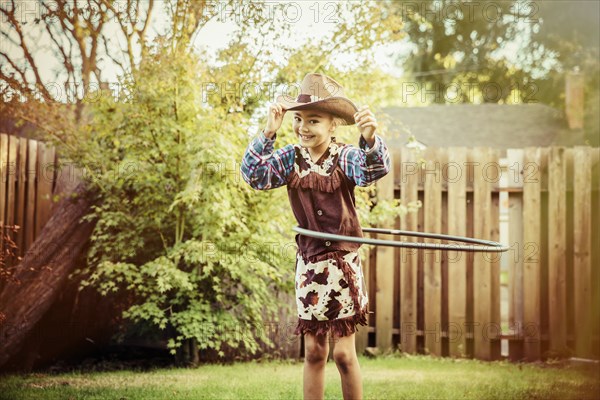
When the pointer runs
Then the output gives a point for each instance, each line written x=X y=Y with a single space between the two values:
x=307 y=20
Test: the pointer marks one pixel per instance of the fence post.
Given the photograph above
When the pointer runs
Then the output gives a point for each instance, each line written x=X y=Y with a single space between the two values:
x=21 y=206
x=30 y=232
x=493 y=175
x=3 y=183
x=582 y=278
x=409 y=186
x=457 y=274
x=531 y=249
x=515 y=260
x=432 y=284
x=11 y=205
x=362 y=335
x=557 y=238
x=384 y=272
x=482 y=271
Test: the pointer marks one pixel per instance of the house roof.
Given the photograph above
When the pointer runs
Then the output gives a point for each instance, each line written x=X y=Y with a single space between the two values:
x=492 y=125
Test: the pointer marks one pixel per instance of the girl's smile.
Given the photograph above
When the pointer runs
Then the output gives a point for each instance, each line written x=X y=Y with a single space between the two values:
x=307 y=138
x=314 y=129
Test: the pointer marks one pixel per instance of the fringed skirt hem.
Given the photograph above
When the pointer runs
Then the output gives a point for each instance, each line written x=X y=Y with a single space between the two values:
x=338 y=327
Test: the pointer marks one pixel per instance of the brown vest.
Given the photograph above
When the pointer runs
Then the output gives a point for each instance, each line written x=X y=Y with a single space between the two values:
x=323 y=201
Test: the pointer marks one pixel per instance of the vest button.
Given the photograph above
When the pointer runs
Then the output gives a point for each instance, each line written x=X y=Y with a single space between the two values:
x=319 y=212
x=328 y=243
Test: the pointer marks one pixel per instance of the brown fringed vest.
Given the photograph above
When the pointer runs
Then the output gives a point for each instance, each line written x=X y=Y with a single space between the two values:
x=322 y=199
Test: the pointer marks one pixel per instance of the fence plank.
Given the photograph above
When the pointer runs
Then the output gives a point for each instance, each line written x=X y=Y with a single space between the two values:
x=582 y=214
x=30 y=232
x=595 y=306
x=457 y=273
x=514 y=258
x=495 y=329
x=443 y=256
x=515 y=262
x=482 y=272
x=420 y=274
x=557 y=249
x=4 y=178
x=408 y=257
x=3 y=183
x=470 y=325
x=10 y=190
x=21 y=206
x=362 y=336
x=396 y=344
x=372 y=287
x=432 y=284
x=529 y=251
x=384 y=315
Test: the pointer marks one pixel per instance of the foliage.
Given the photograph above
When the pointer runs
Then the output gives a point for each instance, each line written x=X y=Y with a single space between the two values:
x=576 y=48
x=196 y=250
x=176 y=227
x=457 y=50
x=500 y=52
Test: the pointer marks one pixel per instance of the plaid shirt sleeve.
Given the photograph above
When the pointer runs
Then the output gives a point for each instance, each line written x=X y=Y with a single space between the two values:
x=262 y=168
x=365 y=165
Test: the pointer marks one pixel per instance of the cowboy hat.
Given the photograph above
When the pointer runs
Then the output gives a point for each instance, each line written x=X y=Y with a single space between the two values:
x=321 y=92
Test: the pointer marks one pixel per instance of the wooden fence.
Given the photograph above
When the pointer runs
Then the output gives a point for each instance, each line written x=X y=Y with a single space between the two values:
x=543 y=202
x=28 y=173
x=449 y=303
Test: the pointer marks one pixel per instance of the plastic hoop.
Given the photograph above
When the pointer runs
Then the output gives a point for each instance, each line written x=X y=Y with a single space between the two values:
x=482 y=245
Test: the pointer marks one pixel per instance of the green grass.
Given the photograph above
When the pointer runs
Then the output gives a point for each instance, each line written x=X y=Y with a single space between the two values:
x=392 y=377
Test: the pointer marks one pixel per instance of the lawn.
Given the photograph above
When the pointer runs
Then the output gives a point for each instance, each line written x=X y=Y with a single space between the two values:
x=390 y=377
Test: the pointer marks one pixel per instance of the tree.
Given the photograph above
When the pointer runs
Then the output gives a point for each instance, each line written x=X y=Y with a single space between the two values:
x=80 y=39
x=501 y=52
x=43 y=270
x=571 y=31
x=71 y=28
x=193 y=249
x=457 y=50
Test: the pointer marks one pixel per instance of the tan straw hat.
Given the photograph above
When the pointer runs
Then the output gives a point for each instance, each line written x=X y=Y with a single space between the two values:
x=321 y=92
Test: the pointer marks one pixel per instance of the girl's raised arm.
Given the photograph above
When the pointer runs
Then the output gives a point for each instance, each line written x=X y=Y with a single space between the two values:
x=262 y=168
x=365 y=165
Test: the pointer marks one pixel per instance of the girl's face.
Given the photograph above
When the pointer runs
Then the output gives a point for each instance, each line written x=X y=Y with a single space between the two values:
x=313 y=127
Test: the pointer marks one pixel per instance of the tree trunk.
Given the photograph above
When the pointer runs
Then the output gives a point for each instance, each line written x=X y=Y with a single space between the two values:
x=77 y=326
x=44 y=270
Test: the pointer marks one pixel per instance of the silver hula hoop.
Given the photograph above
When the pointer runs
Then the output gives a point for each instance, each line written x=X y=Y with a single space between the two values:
x=481 y=245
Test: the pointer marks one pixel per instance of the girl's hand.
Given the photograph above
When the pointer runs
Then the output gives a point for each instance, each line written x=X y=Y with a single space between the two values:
x=367 y=124
x=274 y=119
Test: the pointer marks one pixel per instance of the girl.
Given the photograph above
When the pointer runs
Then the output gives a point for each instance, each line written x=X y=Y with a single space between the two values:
x=320 y=175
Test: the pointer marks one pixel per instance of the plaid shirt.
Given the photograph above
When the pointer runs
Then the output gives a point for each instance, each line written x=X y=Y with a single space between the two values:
x=263 y=169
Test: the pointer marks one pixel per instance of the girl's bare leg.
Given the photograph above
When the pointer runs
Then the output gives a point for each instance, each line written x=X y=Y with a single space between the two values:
x=344 y=354
x=315 y=358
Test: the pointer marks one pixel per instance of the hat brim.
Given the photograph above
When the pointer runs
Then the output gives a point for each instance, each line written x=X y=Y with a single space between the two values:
x=338 y=106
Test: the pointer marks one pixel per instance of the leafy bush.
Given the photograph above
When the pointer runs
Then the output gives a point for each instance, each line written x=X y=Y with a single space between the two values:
x=176 y=226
